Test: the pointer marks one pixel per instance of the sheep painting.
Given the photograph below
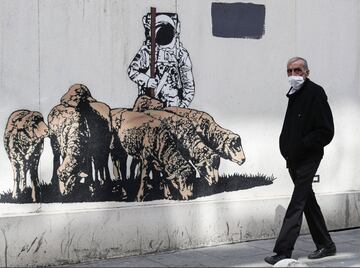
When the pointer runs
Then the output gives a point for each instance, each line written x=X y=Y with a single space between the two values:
x=190 y=144
x=223 y=141
x=80 y=132
x=24 y=139
x=169 y=147
x=148 y=139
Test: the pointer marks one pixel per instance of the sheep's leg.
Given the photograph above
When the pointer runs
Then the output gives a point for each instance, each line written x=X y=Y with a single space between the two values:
x=185 y=188
x=107 y=176
x=102 y=178
x=131 y=186
x=119 y=167
x=116 y=168
x=86 y=168
x=97 y=171
x=167 y=190
x=144 y=167
x=187 y=192
x=133 y=165
x=35 y=193
x=123 y=166
x=22 y=180
x=119 y=158
x=56 y=165
x=104 y=172
x=140 y=194
x=56 y=162
x=16 y=172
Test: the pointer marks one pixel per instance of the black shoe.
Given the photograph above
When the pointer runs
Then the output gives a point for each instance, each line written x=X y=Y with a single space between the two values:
x=323 y=252
x=274 y=259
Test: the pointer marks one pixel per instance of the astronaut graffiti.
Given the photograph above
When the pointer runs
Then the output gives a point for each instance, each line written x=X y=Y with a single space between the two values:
x=173 y=82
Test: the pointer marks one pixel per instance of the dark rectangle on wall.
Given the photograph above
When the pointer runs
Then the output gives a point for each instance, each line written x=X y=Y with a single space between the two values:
x=238 y=20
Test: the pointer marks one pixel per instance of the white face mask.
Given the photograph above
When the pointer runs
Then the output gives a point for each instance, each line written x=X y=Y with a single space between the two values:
x=296 y=81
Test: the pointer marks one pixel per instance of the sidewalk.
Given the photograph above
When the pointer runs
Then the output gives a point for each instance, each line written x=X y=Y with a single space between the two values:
x=245 y=254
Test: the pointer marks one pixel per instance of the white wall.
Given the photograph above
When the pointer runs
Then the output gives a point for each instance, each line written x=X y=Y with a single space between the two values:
x=46 y=46
x=71 y=233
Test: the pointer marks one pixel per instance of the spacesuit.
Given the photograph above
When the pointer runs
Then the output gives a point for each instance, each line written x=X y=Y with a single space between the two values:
x=174 y=84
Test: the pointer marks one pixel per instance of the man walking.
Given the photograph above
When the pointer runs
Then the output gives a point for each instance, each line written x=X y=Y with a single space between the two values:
x=308 y=127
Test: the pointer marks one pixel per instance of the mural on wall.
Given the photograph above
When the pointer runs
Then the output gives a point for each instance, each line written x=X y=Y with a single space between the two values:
x=174 y=151
x=173 y=78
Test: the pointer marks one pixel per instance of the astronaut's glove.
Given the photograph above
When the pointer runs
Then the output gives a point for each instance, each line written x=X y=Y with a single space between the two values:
x=152 y=83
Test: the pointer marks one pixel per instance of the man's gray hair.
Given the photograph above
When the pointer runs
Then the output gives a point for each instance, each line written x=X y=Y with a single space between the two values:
x=296 y=59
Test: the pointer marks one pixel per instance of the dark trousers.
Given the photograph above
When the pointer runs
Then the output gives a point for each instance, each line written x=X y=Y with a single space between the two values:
x=302 y=200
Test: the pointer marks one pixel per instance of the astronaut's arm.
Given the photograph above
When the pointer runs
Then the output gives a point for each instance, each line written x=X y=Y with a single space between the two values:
x=138 y=68
x=188 y=84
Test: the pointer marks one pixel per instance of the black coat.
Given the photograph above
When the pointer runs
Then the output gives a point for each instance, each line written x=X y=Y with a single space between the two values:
x=308 y=125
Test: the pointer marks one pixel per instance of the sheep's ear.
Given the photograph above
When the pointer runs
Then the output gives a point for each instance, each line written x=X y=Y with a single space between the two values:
x=90 y=99
x=64 y=99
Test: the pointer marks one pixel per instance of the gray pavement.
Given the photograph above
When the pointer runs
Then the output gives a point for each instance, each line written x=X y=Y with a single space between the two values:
x=245 y=254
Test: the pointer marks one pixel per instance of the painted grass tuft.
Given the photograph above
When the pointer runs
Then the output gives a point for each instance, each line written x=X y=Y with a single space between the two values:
x=230 y=183
x=126 y=192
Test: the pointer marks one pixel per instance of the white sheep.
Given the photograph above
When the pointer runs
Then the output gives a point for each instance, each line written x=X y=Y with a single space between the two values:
x=24 y=141
x=147 y=139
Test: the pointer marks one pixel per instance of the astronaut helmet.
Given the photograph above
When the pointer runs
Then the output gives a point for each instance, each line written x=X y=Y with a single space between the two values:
x=167 y=29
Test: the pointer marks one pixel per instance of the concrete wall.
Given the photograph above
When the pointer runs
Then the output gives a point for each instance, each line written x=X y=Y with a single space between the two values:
x=46 y=46
x=77 y=232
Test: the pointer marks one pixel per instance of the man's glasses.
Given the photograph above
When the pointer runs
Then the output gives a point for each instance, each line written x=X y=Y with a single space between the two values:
x=295 y=70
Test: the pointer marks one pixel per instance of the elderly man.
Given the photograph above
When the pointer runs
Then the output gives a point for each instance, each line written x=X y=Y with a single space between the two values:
x=308 y=127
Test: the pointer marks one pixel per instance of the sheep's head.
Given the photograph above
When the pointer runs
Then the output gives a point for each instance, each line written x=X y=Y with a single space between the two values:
x=233 y=150
x=70 y=174
x=67 y=185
